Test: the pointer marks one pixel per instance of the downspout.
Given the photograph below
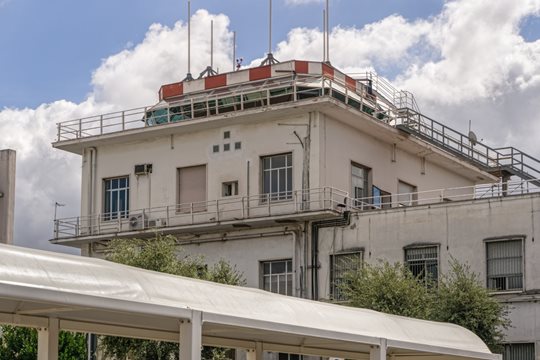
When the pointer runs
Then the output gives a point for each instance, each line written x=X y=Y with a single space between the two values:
x=294 y=257
x=344 y=220
x=92 y=187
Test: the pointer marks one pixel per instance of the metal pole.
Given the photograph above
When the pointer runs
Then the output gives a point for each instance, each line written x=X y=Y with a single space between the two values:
x=212 y=44
x=189 y=37
x=234 y=52
x=270 y=27
x=324 y=34
x=327 y=31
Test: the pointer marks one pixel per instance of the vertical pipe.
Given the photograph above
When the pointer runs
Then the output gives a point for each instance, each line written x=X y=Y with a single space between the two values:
x=189 y=37
x=324 y=34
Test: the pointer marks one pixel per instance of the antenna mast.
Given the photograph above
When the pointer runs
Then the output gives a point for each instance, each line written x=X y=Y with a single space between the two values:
x=324 y=35
x=188 y=75
x=209 y=71
x=269 y=57
x=327 y=31
x=234 y=51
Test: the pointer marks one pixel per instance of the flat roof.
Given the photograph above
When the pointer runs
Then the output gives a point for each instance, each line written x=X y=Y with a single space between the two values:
x=88 y=294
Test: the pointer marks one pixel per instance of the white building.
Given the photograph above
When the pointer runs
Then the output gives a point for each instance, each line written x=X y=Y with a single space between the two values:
x=296 y=172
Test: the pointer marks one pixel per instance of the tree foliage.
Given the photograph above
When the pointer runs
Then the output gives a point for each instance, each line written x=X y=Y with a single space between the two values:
x=18 y=343
x=161 y=254
x=457 y=298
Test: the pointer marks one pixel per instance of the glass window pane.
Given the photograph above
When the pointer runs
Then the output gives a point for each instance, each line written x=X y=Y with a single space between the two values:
x=278 y=267
x=278 y=161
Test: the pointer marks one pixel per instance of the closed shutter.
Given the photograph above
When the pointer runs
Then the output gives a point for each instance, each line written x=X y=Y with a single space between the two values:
x=192 y=188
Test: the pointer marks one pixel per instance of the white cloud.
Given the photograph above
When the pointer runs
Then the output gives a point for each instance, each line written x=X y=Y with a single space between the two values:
x=302 y=2
x=128 y=79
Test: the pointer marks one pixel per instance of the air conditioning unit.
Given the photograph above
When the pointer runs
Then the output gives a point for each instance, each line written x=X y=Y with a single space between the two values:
x=157 y=223
x=143 y=169
x=136 y=222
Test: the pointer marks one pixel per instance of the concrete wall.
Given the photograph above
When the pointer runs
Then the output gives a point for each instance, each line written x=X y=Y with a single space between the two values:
x=334 y=145
x=7 y=195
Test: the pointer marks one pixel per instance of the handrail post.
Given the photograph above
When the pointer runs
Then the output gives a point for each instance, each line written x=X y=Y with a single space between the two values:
x=268 y=197
x=101 y=124
x=99 y=224
x=59 y=125
x=79 y=135
x=123 y=121
x=77 y=229
x=295 y=195
x=217 y=210
x=191 y=212
x=168 y=216
x=119 y=222
x=243 y=208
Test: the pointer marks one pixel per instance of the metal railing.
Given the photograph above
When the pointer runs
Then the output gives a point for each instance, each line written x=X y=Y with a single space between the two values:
x=487 y=158
x=212 y=103
x=234 y=209
x=385 y=89
x=428 y=197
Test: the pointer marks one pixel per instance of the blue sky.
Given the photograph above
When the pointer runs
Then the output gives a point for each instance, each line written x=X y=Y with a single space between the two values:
x=52 y=47
x=463 y=60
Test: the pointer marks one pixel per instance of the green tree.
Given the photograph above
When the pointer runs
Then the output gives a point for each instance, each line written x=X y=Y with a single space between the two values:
x=18 y=343
x=458 y=298
x=161 y=254
x=462 y=300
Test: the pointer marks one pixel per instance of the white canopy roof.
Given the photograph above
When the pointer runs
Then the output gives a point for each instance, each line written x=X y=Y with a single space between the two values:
x=94 y=295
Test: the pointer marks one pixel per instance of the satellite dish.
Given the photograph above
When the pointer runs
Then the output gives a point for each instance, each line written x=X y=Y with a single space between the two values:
x=472 y=138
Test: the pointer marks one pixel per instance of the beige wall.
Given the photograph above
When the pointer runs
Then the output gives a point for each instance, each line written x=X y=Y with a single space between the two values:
x=7 y=196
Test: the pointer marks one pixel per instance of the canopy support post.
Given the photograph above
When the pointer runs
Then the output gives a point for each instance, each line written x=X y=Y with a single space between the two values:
x=378 y=352
x=257 y=353
x=48 y=341
x=191 y=337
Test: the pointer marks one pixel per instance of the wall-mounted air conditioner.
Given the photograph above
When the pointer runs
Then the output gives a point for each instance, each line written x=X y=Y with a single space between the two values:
x=156 y=223
x=137 y=222
x=143 y=169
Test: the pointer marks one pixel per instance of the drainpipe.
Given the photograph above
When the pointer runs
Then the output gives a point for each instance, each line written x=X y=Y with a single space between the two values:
x=344 y=220
x=92 y=187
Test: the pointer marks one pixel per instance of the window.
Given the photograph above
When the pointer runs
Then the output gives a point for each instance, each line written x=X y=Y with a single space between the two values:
x=277 y=176
x=359 y=183
x=407 y=194
x=381 y=199
x=237 y=145
x=215 y=148
x=229 y=188
x=116 y=202
x=523 y=351
x=226 y=134
x=192 y=188
x=277 y=276
x=423 y=261
x=340 y=265
x=505 y=264
x=226 y=147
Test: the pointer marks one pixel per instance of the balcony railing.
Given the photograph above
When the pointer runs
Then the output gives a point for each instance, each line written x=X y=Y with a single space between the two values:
x=235 y=209
x=221 y=101
x=428 y=197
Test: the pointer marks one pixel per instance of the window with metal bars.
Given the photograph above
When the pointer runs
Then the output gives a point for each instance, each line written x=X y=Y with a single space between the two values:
x=504 y=260
x=423 y=262
x=277 y=177
x=523 y=351
x=340 y=265
x=116 y=198
x=277 y=276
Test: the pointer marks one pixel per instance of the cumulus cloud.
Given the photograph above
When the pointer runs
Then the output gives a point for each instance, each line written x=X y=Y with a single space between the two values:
x=128 y=79
x=302 y=2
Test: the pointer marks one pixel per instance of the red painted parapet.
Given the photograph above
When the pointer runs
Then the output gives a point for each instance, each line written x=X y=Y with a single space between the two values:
x=176 y=90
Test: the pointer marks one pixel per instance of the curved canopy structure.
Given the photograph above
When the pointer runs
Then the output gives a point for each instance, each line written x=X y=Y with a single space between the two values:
x=93 y=295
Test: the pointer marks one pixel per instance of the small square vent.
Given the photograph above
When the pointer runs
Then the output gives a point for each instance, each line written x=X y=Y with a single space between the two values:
x=143 y=169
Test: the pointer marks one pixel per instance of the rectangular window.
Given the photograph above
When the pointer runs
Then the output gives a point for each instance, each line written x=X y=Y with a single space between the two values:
x=423 y=261
x=277 y=177
x=407 y=194
x=229 y=188
x=359 y=183
x=516 y=351
x=277 y=276
x=505 y=264
x=116 y=199
x=192 y=189
x=340 y=265
x=381 y=199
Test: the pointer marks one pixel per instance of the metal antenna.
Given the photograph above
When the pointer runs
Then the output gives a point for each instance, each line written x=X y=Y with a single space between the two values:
x=269 y=57
x=188 y=75
x=234 y=51
x=328 y=31
x=209 y=71
x=324 y=35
